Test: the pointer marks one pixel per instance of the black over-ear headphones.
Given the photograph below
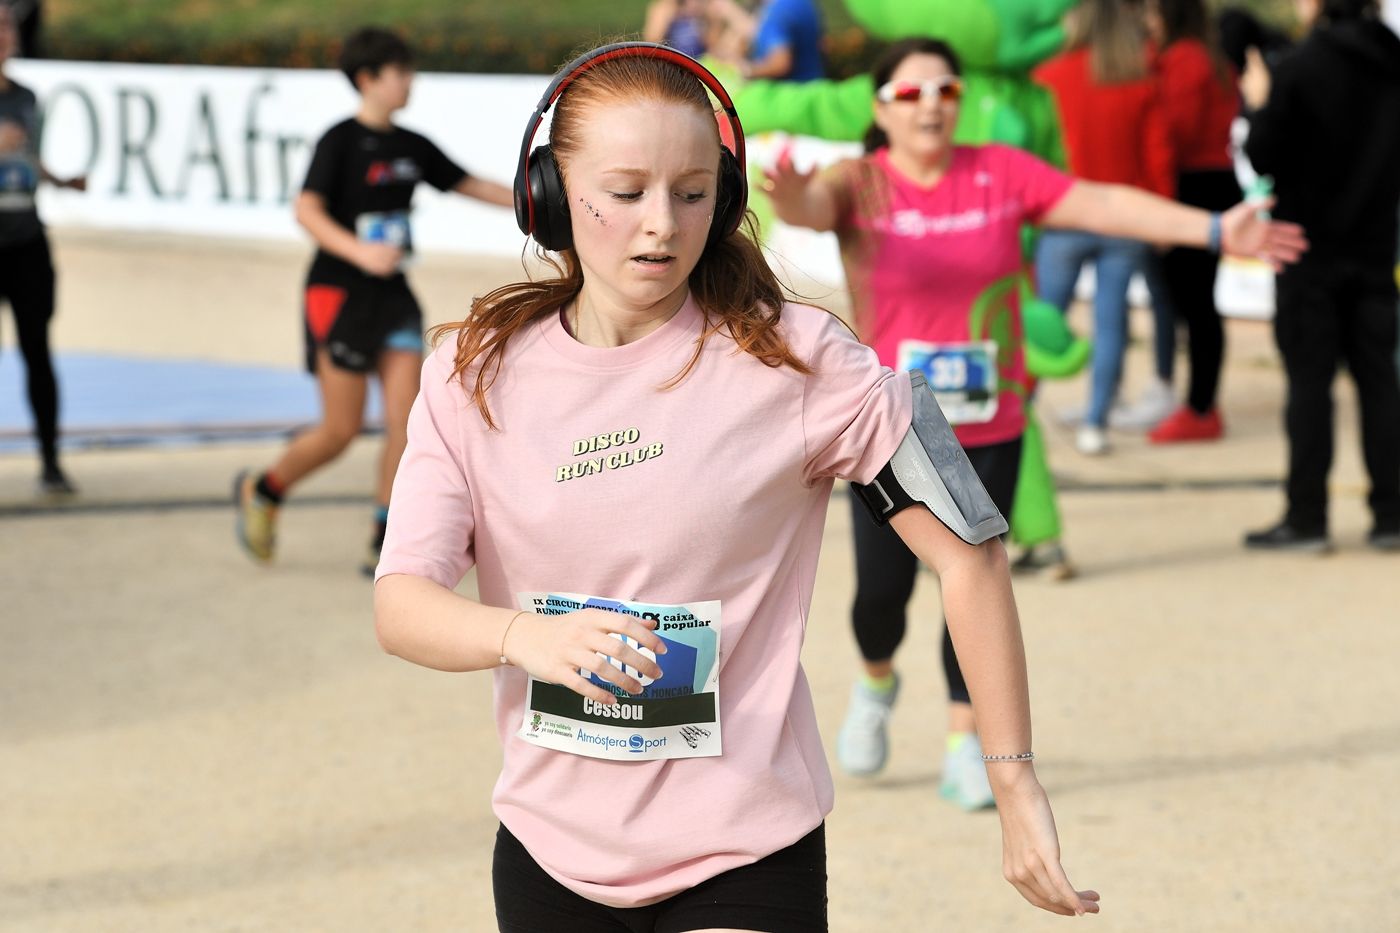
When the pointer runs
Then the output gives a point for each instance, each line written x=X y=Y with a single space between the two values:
x=541 y=204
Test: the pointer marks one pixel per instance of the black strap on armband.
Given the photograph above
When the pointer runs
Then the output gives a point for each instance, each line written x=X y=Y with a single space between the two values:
x=883 y=496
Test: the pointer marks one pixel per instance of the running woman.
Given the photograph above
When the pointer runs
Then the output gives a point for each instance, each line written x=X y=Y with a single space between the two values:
x=26 y=267
x=360 y=315
x=931 y=242
x=637 y=456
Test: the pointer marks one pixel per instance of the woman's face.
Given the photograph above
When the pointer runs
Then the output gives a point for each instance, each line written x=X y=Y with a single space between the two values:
x=921 y=128
x=641 y=189
x=1307 y=12
x=1152 y=19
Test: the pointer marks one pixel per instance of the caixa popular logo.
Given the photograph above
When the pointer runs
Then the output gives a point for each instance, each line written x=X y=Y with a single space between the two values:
x=636 y=744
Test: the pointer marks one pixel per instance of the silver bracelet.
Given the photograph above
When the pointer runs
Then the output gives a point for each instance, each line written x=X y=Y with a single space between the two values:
x=1024 y=756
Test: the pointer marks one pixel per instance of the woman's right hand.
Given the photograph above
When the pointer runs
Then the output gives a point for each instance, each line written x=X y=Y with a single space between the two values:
x=565 y=649
x=378 y=259
x=785 y=185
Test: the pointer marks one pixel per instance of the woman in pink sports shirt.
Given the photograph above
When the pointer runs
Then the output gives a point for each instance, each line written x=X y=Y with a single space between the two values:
x=656 y=424
x=930 y=236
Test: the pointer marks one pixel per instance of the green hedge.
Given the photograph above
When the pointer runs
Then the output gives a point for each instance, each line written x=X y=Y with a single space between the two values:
x=849 y=51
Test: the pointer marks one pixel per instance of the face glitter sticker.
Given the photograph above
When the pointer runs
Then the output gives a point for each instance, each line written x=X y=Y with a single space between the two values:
x=597 y=215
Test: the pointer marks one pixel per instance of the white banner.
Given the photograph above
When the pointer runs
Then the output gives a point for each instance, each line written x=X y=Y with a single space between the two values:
x=223 y=151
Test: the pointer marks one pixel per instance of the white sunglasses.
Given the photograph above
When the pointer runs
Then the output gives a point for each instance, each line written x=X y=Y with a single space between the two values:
x=948 y=89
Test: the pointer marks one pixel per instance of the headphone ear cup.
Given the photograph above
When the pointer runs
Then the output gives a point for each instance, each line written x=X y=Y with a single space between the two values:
x=731 y=197
x=553 y=228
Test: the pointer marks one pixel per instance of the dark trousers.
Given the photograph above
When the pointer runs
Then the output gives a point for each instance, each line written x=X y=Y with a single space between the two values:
x=886 y=569
x=1331 y=311
x=1189 y=277
x=27 y=281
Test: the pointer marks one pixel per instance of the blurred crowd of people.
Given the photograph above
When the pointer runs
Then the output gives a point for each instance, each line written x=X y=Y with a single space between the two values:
x=1321 y=119
x=773 y=39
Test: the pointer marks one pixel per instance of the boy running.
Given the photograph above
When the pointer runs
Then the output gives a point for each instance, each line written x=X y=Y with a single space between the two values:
x=360 y=315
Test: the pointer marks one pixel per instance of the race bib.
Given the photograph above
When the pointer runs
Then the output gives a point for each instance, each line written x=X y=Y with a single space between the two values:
x=391 y=227
x=18 y=179
x=963 y=376
x=675 y=716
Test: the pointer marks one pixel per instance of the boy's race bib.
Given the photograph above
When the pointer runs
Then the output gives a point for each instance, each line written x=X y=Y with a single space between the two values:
x=675 y=716
x=391 y=227
x=963 y=376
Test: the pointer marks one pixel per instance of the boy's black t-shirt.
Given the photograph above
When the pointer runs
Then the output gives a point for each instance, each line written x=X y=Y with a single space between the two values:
x=367 y=178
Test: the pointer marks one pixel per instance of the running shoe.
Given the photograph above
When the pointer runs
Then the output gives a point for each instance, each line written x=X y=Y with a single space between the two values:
x=965 y=780
x=256 y=518
x=1156 y=402
x=863 y=745
x=1048 y=559
x=1285 y=537
x=1186 y=425
x=1091 y=440
x=53 y=482
x=372 y=552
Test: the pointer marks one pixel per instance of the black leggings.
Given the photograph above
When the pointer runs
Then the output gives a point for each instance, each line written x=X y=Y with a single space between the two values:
x=1189 y=276
x=886 y=569
x=781 y=893
x=27 y=280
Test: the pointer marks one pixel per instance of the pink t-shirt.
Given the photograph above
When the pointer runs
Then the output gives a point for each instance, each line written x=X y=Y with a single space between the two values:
x=941 y=265
x=730 y=507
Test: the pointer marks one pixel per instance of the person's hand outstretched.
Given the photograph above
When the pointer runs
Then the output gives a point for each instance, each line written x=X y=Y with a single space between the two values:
x=1031 y=848
x=565 y=649
x=785 y=185
x=1247 y=230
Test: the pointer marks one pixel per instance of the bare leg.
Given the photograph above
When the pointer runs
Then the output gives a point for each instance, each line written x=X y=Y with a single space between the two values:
x=342 y=413
x=399 y=372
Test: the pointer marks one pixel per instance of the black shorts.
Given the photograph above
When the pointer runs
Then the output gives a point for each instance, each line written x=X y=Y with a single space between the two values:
x=782 y=893
x=354 y=321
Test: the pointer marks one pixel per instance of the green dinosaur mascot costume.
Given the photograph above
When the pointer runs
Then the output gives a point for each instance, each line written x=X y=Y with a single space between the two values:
x=999 y=41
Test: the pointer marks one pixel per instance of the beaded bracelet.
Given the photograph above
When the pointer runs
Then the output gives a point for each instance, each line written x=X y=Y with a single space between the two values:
x=504 y=659
x=1024 y=756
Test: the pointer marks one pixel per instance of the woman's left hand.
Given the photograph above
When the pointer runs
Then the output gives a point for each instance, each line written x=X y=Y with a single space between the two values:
x=1031 y=848
x=1246 y=230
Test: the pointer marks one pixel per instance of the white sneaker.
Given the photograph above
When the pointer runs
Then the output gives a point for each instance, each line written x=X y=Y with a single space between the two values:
x=1091 y=441
x=965 y=777
x=1156 y=402
x=863 y=745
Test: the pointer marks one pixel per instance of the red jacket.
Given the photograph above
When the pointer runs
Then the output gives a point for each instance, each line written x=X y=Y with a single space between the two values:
x=1199 y=106
x=1113 y=132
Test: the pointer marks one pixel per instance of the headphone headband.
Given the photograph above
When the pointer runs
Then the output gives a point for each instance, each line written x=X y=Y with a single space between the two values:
x=524 y=199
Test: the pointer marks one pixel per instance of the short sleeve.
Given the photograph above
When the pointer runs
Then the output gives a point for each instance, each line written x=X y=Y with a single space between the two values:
x=431 y=528
x=440 y=171
x=323 y=175
x=855 y=412
x=1038 y=184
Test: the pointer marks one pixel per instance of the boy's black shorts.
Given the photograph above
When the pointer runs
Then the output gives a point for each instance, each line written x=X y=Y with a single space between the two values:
x=354 y=321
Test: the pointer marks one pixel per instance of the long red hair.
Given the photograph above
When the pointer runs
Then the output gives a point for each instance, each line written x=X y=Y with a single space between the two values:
x=732 y=283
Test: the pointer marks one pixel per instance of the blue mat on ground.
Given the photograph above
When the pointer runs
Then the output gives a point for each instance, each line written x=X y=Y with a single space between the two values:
x=111 y=400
